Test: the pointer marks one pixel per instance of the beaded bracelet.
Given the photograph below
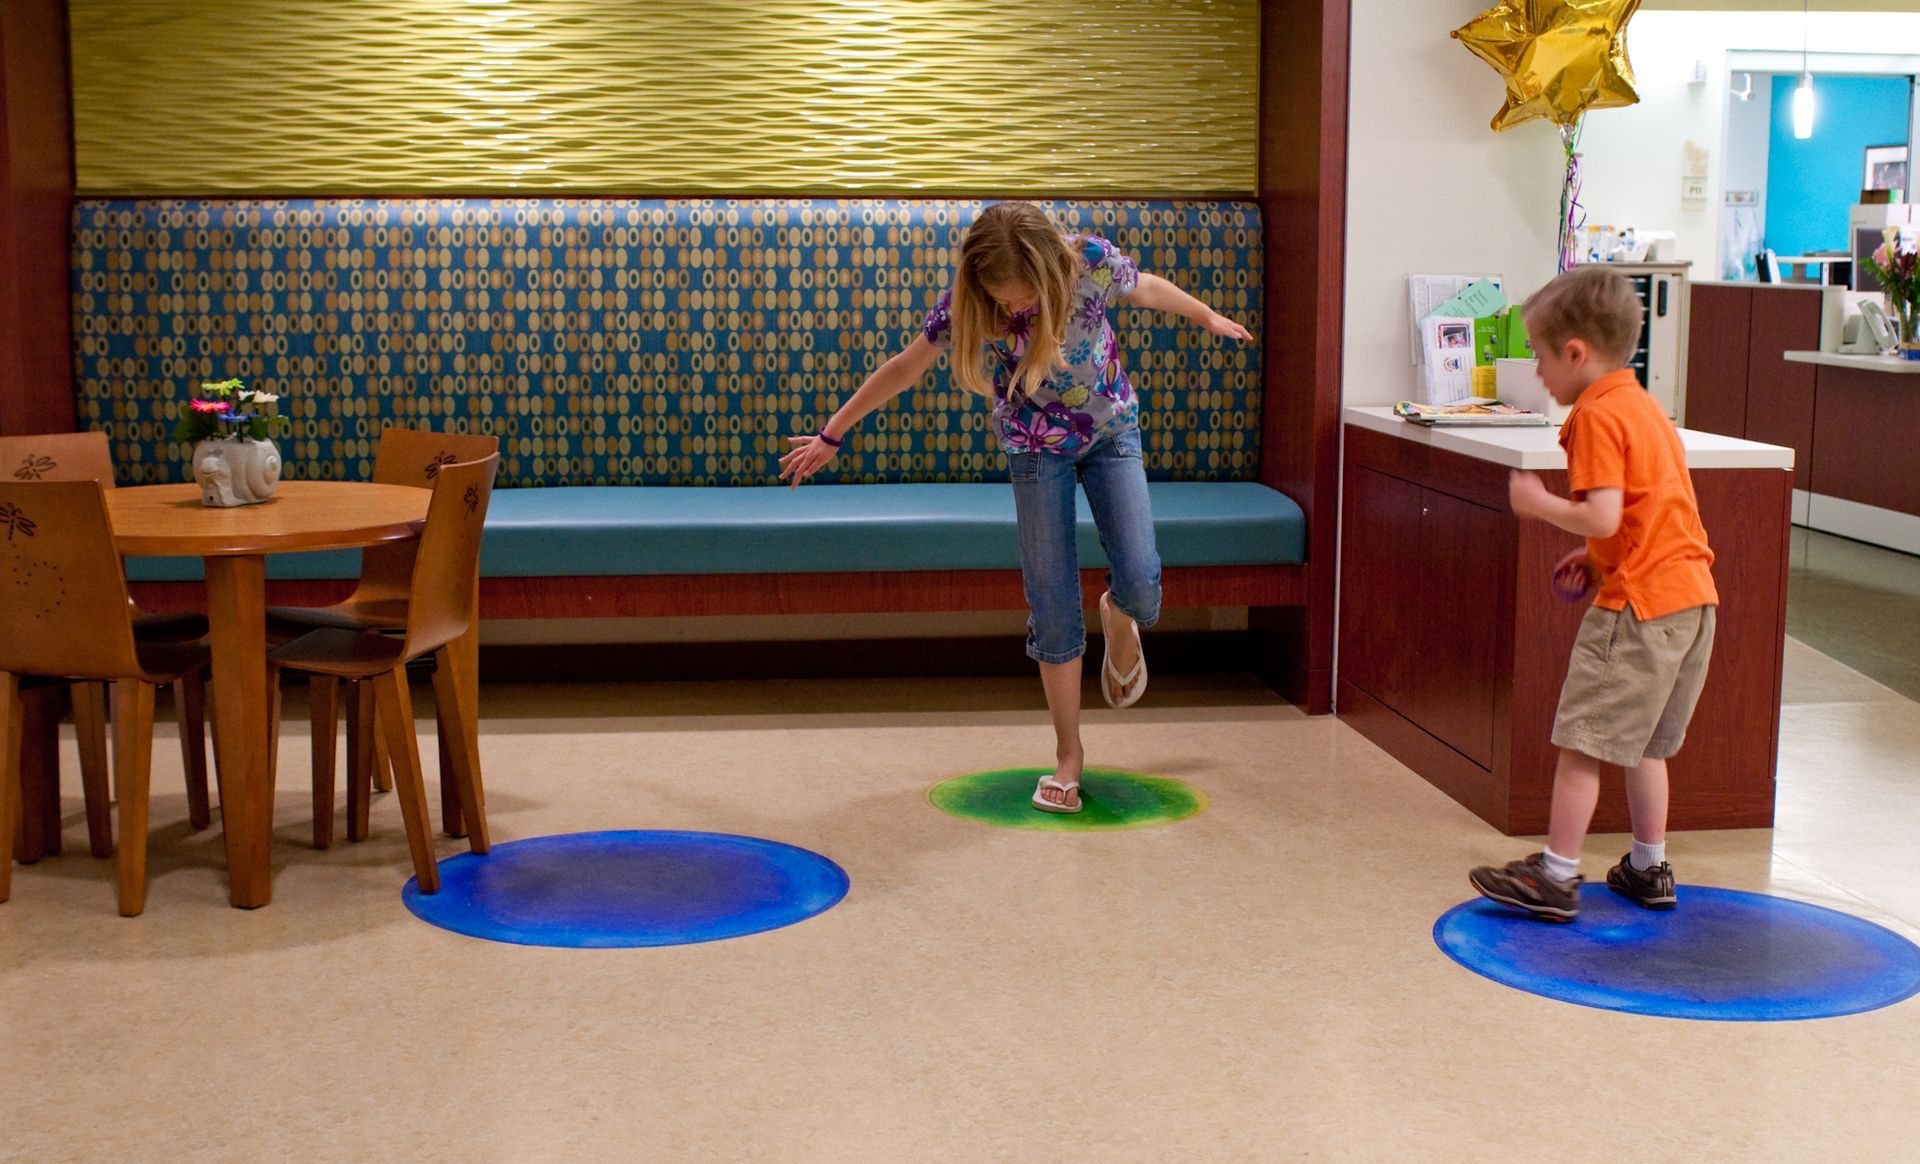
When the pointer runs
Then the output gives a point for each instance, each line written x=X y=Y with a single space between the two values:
x=831 y=443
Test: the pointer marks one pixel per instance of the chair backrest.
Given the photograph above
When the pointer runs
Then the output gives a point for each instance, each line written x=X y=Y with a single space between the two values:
x=57 y=456
x=412 y=456
x=440 y=606
x=67 y=611
x=415 y=456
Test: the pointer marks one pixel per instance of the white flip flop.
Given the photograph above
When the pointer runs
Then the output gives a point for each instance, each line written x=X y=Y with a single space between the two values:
x=1066 y=788
x=1110 y=679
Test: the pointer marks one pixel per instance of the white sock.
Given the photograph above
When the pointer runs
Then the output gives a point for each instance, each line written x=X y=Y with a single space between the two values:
x=1559 y=868
x=1646 y=857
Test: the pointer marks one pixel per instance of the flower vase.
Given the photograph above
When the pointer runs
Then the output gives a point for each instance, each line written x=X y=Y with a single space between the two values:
x=234 y=471
x=1906 y=316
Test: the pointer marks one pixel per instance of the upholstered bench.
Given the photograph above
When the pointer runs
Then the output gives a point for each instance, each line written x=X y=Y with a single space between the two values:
x=561 y=531
x=643 y=362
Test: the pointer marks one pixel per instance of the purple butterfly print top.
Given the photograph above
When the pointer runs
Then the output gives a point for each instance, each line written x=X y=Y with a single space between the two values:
x=1089 y=395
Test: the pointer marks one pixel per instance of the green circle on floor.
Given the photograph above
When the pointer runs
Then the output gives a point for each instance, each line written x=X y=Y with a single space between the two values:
x=1109 y=799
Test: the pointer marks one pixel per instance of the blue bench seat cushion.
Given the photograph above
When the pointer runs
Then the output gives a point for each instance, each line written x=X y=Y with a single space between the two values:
x=634 y=530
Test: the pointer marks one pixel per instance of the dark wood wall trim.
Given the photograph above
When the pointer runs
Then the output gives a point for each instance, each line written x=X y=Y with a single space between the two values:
x=667 y=595
x=1304 y=48
x=36 y=204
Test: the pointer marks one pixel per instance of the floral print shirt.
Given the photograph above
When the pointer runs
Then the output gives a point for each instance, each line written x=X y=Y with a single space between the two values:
x=1086 y=398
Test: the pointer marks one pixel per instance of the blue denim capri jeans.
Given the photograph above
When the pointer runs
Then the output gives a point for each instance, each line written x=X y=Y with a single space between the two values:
x=1111 y=471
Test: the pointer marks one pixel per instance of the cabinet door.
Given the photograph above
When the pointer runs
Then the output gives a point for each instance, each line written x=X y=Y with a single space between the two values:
x=1718 y=344
x=1452 y=649
x=1379 y=570
x=1780 y=394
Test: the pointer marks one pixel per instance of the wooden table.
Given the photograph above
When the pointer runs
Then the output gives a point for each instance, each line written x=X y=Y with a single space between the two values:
x=169 y=520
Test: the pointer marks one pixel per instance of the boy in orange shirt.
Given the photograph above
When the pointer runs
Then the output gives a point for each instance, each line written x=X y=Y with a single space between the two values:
x=1641 y=655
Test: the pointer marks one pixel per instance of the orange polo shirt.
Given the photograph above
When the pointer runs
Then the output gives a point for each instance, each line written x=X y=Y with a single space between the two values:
x=1658 y=561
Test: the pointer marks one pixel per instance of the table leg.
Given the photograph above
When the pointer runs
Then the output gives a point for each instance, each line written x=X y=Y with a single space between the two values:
x=236 y=607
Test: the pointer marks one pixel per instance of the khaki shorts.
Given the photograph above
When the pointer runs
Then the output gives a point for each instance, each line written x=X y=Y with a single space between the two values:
x=1631 y=685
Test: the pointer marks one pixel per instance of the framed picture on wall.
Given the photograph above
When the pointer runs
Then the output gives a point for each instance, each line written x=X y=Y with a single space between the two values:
x=1886 y=168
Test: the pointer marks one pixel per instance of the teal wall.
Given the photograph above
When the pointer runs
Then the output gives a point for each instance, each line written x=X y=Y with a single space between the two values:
x=1811 y=183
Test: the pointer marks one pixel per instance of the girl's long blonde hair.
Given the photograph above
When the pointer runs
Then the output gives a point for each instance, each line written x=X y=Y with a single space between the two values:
x=1011 y=242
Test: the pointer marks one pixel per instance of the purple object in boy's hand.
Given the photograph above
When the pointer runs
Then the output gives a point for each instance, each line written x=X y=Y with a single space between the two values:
x=1572 y=582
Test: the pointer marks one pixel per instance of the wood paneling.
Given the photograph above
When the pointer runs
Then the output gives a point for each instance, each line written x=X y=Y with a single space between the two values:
x=36 y=200
x=1454 y=654
x=1380 y=609
x=1453 y=648
x=1303 y=199
x=661 y=595
x=1780 y=395
x=1718 y=341
x=1863 y=443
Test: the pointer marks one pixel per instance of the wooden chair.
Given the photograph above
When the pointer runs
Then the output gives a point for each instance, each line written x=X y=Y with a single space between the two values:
x=406 y=456
x=86 y=456
x=439 y=609
x=68 y=617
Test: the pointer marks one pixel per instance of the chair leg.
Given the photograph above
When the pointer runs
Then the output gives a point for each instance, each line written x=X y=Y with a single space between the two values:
x=36 y=832
x=12 y=712
x=90 y=732
x=382 y=764
x=396 y=723
x=361 y=731
x=133 y=763
x=190 y=708
x=461 y=763
x=273 y=733
x=453 y=819
x=323 y=695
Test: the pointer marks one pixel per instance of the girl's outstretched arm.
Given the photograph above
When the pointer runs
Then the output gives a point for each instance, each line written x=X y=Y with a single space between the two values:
x=810 y=454
x=1155 y=292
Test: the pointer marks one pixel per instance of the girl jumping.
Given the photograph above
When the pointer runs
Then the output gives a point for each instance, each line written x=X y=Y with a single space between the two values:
x=1026 y=320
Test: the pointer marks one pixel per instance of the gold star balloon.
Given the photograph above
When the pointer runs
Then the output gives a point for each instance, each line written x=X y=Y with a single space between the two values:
x=1559 y=58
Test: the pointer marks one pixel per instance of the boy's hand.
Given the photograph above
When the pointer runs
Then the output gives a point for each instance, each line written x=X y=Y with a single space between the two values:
x=1220 y=325
x=808 y=456
x=1573 y=576
x=1528 y=495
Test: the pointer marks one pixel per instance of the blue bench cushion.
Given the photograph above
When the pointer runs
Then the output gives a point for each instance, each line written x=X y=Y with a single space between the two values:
x=588 y=530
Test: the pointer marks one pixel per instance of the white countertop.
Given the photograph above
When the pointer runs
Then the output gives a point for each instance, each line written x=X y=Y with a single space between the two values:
x=1539 y=448
x=1896 y=365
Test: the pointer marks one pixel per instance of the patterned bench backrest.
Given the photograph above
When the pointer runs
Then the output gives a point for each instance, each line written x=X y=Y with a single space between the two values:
x=613 y=341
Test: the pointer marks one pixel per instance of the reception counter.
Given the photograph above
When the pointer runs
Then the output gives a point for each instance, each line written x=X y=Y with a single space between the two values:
x=1452 y=646
x=1755 y=369
x=1864 y=470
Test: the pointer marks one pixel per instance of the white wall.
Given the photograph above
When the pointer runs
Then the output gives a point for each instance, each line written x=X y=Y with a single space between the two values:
x=1633 y=155
x=1431 y=188
x=1749 y=143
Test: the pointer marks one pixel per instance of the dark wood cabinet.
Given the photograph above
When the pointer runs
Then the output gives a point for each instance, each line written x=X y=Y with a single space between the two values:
x=1780 y=393
x=1717 y=351
x=1452 y=647
x=1739 y=382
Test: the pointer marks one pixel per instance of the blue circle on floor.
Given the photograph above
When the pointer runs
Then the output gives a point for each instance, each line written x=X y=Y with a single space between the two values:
x=625 y=889
x=1721 y=955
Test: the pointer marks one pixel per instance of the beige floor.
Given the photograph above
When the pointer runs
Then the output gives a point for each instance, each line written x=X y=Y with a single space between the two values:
x=1859 y=604
x=1257 y=983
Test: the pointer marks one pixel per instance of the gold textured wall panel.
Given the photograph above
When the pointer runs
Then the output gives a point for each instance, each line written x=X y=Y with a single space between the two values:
x=1130 y=97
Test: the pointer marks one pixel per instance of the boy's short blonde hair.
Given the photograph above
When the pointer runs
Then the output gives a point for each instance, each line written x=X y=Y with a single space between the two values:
x=1589 y=303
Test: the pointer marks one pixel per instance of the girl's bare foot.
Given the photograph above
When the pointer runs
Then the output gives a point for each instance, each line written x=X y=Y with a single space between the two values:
x=1066 y=771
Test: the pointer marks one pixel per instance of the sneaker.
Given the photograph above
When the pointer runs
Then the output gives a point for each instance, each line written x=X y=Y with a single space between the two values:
x=1648 y=888
x=1526 y=885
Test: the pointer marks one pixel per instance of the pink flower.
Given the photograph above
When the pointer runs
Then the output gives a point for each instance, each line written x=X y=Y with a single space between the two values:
x=1880 y=254
x=212 y=406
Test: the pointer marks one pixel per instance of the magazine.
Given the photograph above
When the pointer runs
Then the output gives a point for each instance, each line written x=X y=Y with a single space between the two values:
x=1490 y=412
